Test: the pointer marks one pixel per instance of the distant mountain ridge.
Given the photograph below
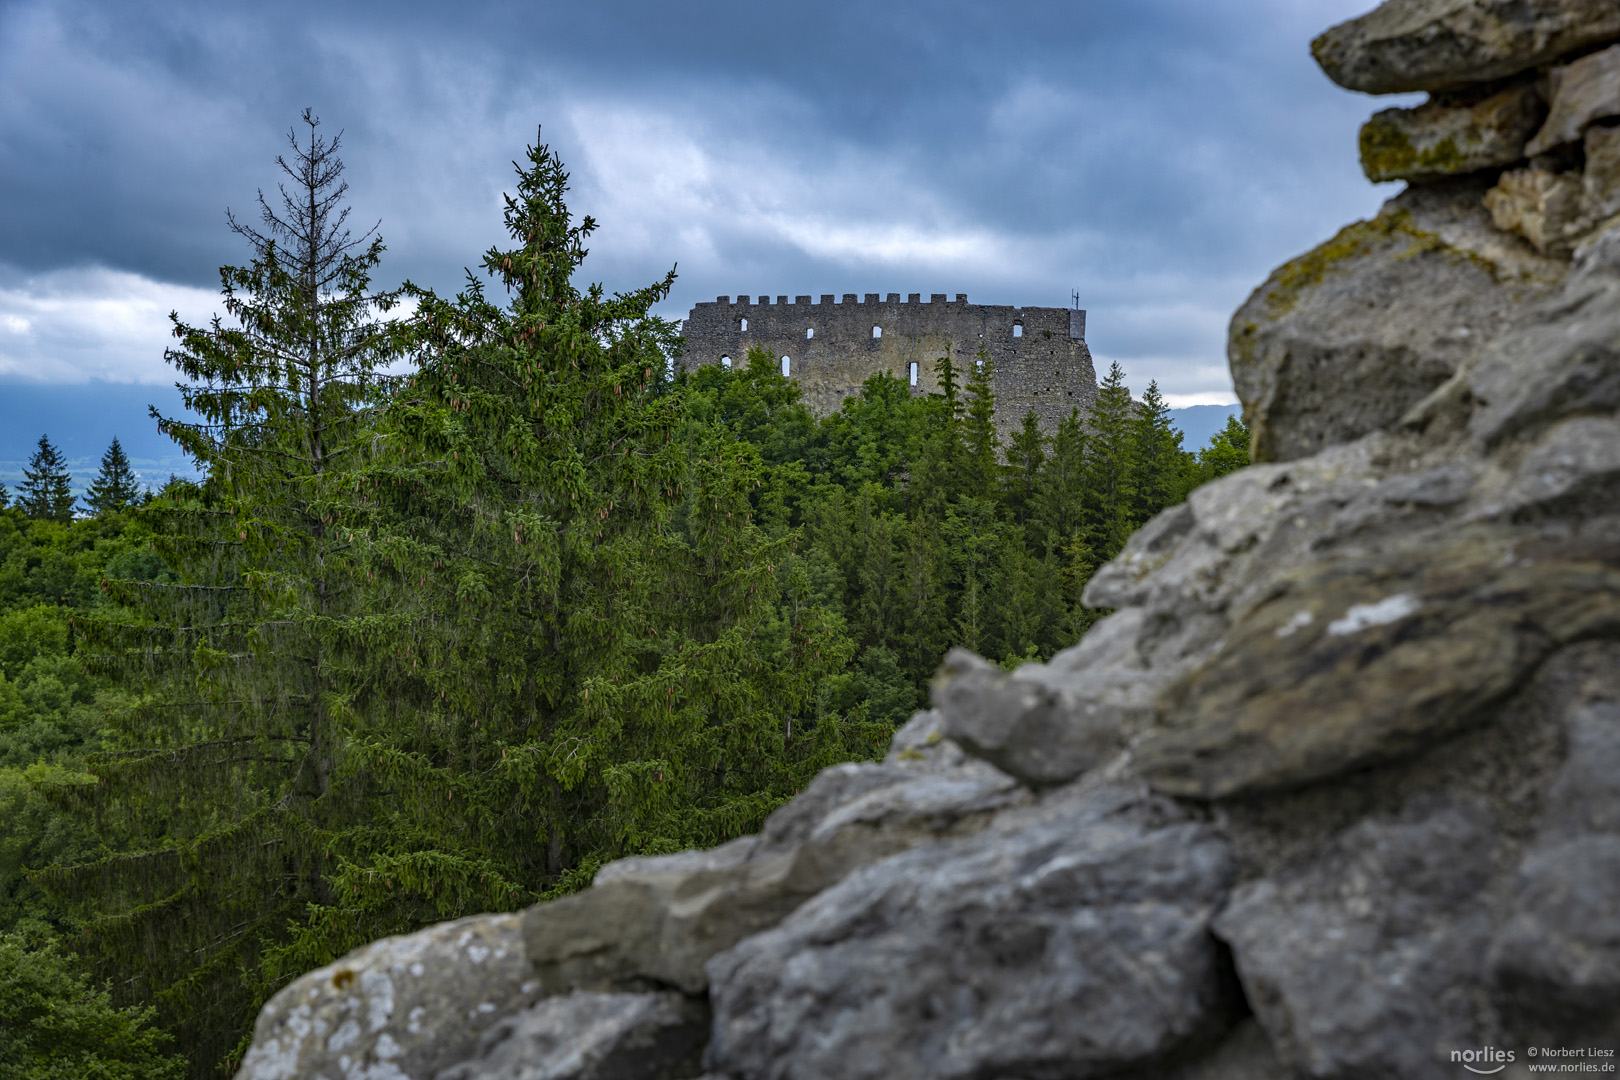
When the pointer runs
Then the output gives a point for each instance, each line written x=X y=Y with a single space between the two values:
x=1198 y=422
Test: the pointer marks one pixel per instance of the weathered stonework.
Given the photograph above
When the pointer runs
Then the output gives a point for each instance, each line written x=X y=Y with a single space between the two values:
x=1046 y=368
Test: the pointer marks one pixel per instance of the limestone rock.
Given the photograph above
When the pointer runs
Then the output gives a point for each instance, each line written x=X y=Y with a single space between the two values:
x=401 y=1007
x=1041 y=730
x=1575 y=468
x=1069 y=940
x=1601 y=176
x=1364 y=960
x=652 y=923
x=1405 y=45
x=1563 y=360
x=1556 y=959
x=1546 y=208
x=1581 y=93
x=1346 y=339
x=593 y=1037
x=1363 y=659
x=1437 y=139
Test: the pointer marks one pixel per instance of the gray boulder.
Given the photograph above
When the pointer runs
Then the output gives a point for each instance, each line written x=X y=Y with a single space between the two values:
x=1031 y=723
x=1366 y=960
x=401 y=1008
x=1365 y=658
x=1563 y=360
x=1345 y=339
x=1069 y=940
x=652 y=923
x=593 y=1037
x=1405 y=45
x=1556 y=959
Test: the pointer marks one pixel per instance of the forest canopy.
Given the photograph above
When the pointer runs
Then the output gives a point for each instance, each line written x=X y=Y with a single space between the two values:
x=422 y=645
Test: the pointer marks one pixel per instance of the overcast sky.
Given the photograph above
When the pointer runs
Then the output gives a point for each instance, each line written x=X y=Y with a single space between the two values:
x=1157 y=156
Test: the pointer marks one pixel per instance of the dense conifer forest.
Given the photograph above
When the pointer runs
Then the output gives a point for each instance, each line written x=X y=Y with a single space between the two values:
x=430 y=644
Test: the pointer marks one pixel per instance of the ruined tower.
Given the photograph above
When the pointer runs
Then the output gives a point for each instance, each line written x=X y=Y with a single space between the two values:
x=1041 y=360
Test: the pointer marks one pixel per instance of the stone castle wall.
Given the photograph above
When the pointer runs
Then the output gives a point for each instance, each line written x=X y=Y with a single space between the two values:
x=1041 y=359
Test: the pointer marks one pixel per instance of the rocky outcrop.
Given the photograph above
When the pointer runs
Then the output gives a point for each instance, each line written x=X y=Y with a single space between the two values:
x=400 y=1007
x=655 y=922
x=1404 y=45
x=1345 y=339
x=1333 y=792
x=1445 y=138
x=1068 y=941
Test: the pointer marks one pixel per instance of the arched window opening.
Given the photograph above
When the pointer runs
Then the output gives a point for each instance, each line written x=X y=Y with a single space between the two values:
x=787 y=365
x=1018 y=329
x=725 y=362
x=809 y=332
x=742 y=324
x=913 y=371
x=877 y=331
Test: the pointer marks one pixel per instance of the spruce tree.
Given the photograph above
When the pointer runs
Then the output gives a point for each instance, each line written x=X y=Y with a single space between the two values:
x=980 y=444
x=1026 y=454
x=46 y=493
x=233 y=782
x=1110 y=490
x=576 y=649
x=1060 y=492
x=114 y=488
x=1159 y=466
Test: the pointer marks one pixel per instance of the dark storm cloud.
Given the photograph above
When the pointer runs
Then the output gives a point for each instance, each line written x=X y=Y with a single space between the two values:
x=1158 y=155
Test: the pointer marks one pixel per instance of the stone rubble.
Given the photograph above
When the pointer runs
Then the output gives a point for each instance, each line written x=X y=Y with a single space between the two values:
x=1334 y=791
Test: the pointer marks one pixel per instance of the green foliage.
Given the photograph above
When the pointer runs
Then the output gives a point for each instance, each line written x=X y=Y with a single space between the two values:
x=424 y=646
x=1228 y=450
x=55 y=1025
x=46 y=488
x=225 y=773
x=114 y=488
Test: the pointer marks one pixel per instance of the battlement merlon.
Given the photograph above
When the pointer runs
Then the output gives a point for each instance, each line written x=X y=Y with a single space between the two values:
x=1076 y=316
x=1042 y=363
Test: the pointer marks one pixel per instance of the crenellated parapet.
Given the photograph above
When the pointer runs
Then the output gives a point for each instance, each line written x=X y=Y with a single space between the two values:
x=831 y=345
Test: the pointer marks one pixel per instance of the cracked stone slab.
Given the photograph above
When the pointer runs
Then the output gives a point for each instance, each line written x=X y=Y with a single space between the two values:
x=1438 y=139
x=1067 y=941
x=1363 y=659
x=1405 y=45
x=1364 y=961
x=652 y=923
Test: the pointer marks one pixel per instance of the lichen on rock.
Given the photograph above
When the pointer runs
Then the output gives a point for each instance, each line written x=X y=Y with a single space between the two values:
x=1442 y=139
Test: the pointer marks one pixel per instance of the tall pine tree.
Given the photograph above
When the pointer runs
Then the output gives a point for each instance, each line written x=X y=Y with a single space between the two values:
x=233 y=781
x=115 y=487
x=1110 y=490
x=575 y=650
x=1159 y=467
x=46 y=492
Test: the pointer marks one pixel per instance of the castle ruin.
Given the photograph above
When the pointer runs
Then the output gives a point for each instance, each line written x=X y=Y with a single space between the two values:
x=1040 y=355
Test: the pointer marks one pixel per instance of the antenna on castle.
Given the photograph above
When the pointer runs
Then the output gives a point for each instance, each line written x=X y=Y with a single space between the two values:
x=1074 y=297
